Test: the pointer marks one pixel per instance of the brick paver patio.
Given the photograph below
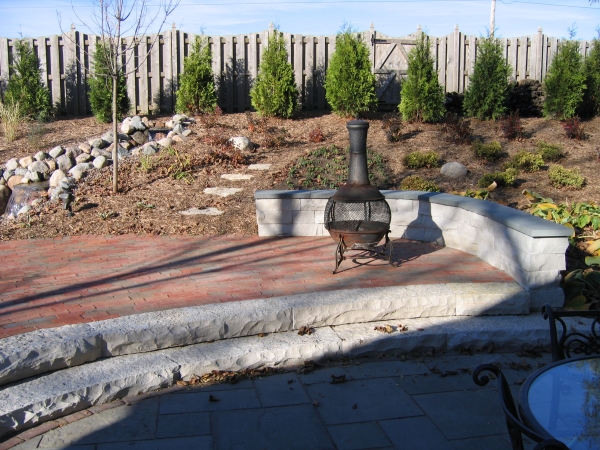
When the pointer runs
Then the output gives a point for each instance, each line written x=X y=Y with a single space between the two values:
x=54 y=282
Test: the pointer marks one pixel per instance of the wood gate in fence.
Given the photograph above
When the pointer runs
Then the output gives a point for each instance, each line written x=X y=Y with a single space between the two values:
x=236 y=59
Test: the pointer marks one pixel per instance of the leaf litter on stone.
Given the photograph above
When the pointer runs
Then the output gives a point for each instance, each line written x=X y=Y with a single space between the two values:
x=306 y=330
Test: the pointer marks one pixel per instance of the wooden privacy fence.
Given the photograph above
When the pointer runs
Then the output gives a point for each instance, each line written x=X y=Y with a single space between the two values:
x=66 y=64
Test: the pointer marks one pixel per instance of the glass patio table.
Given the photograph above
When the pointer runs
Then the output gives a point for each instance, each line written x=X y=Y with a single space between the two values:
x=562 y=400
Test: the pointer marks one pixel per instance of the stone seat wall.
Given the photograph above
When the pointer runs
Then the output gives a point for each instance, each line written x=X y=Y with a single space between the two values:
x=528 y=248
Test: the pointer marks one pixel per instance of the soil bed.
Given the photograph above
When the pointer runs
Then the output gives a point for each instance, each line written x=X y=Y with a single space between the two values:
x=154 y=190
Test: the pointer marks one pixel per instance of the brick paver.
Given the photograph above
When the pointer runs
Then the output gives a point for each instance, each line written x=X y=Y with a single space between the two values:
x=54 y=282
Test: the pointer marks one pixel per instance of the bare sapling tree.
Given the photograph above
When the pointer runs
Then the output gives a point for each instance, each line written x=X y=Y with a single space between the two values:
x=110 y=20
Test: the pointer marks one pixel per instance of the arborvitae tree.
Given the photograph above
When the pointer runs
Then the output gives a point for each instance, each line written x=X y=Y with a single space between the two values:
x=101 y=87
x=25 y=83
x=197 y=93
x=274 y=92
x=422 y=97
x=565 y=82
x=487 y=94
x=591 y=70
x=349 y=83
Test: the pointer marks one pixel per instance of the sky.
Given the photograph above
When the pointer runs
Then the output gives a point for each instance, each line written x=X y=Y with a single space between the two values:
x=396 y=18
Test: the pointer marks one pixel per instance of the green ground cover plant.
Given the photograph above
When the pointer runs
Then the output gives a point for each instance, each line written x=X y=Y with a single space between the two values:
x=568 y=178
x=327 y=168
x=417 y=160
x=418 y=183
x=505 y=178
x=525 y=161
x=488 y=152
x=550 y=152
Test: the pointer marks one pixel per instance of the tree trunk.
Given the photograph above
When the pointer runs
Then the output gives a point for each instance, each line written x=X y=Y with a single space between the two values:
x=114 y=108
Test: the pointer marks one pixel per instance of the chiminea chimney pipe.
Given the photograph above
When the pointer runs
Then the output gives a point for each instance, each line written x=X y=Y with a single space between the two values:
x=358 y=172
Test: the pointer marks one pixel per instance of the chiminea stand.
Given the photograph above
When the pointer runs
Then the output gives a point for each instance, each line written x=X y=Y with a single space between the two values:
x=357 y=216
x=369 y=248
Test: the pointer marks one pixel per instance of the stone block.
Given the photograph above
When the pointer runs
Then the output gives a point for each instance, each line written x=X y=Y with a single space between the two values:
x=538 y=262
x=304 y=216
x=460 y=242
x=532 y=280
x=363 y=340
x=486 y=252
x=445 y=224
x=372 y=304
x=405 y=218
x=274 y=216
x=477 y=299
x=277 y=204
x=277 y=349
x=402 y=206
x=397 y=231
x=414 y=233
x=313 y=204
x=555 y=297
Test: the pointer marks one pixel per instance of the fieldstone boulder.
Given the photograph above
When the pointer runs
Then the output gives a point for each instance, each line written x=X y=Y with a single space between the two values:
x=65 y=162
x=100 y=162
x=148 y=149
x=99 y=143
x=138 y=124
x=56 y=177
x=178 y=118
x=25 y=161
x=38 y=166
x=56 y=151
x=20 y=171
x=4 y=196
x=7 y=174
x=179 y=138
x=12 y=164
x=178 y=128
x=40 y=156
x=139 y=137
x=242 y=143
x=98 y=152
x=51 y=164
x=126 y=126
x=24 y=210
x=13 y=181
x=165 y=142
x=79 y=171
x=186 y=133
x=33 y=176
x=72 y=152
x=85 y=147
x=84 y=157
x=454 y=169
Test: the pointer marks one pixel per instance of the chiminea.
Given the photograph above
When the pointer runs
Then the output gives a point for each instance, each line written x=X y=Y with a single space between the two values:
x=357 y=215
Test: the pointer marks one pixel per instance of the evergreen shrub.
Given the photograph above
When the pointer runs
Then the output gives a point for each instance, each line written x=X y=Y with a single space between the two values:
x=564 y=84
x=506 y=178
x=25 y=85
x=489 y=152
x=487 y=94
x=417 y=183
x=525 y=161
x=550 y=152
x=101 y=87
x=417 y=160
x=422 y=97
x=591 y=94
x=197 y=92
x=561 y=177
x=274 y=93
x=349 y=83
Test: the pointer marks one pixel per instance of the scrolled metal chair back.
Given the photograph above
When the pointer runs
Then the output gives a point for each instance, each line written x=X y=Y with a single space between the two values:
x=568 y=344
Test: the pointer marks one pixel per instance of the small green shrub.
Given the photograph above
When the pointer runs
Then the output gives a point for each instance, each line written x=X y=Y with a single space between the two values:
x=197 y=93
x=591 y=94
x=550 y=152
x=25 y=84
x=569 y=178
x=525 y=161
x=417 y=160
x=489 y=152
x=349 y=83
x=417 y=183
x=274 y=93
x=565 y=82
x=101 y=87
x=506 y=178
x=487 y=94
x=422 y=96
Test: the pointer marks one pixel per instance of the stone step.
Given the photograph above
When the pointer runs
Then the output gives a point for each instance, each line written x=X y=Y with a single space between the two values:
x=49 y=396
x=33 y=353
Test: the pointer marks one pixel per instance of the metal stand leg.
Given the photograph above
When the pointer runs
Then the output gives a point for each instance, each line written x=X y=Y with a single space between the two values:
x=339 y=253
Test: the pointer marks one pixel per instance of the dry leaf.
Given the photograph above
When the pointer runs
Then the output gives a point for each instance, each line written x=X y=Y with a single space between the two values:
x=182 y=383
x=212 y=398
x=262 y=334
x=336 y=379
x=402 y=328
x=305 y=330
x=355 y=406
x=315 y=403
x=385 y=329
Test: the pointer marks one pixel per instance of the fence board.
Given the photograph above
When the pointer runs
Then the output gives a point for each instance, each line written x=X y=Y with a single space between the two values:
x=309 y=71
x=513 y=57
x=240 y=71
x=298 y=55
x=144 y=84
x=154 y=89
x=320 y=70
x=4 y=58
x=55 y=69
x=41 y=46
x=472 y=57
x=228 y=65
x=167 y=72
x=444 y=58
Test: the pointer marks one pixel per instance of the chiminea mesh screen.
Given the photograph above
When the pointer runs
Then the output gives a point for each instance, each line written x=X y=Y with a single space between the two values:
x=357 y=216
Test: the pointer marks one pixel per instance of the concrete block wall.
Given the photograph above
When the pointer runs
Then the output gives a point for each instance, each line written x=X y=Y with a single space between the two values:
x=529 y=249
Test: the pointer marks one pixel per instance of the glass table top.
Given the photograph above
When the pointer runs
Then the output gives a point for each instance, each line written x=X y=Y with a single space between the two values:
x=564 y=399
